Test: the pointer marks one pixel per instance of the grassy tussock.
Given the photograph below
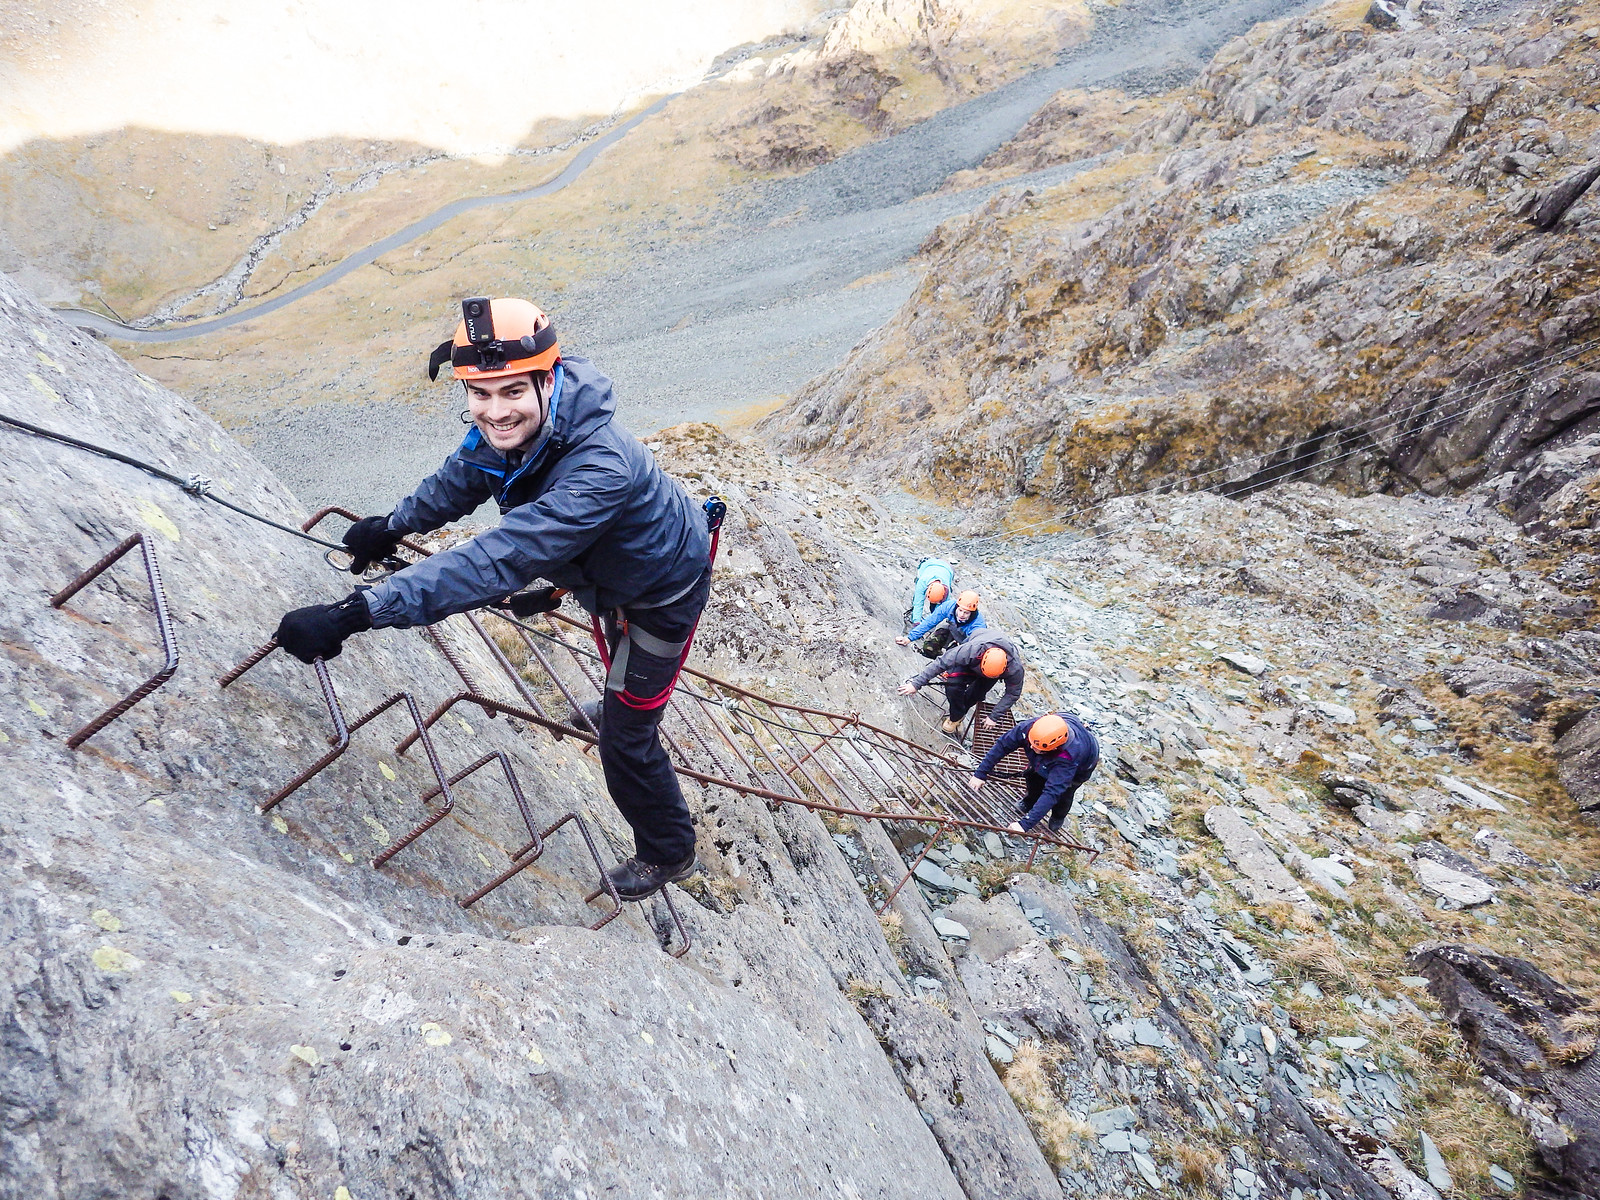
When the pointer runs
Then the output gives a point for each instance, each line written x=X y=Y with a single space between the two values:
x=1027 y=1079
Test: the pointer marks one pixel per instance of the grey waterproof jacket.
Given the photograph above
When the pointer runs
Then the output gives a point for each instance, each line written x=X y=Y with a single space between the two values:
x=585 y=507
x=963 y=660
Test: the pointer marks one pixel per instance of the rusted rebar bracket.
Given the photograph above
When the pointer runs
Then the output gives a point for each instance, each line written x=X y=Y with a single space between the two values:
x=442 y=644
x=440 y=814
x=525 y=857
x=487 y=702
x=343 y=744
x=169 y=642
x=665 y=894
x=333 y=510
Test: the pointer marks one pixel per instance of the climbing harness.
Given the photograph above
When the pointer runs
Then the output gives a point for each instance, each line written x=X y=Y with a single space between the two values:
x=614 y=657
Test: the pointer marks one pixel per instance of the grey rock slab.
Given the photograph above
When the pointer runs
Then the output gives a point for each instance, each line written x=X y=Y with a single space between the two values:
x=1454 y=887
x=946 y=928
x=1108 y=1119
x=1148 y=1171
x=944 y=1067
x=1473 y=796
x=1577 y=754
x=1146 y=1033
x=1253 y=857
x=1339 y=714
x=1030 y=987
x=996 y=926
x=1117 y=1141
x=1243 y=660
x=1280 y=814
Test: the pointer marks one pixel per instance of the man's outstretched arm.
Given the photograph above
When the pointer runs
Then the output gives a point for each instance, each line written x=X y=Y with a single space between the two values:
x=530 y=541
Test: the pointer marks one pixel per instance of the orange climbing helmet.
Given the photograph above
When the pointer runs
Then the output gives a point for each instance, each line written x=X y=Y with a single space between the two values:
x=968 y=600
x=993 y=662
x=1048 y=733
x=496 y=338
x=937 y=592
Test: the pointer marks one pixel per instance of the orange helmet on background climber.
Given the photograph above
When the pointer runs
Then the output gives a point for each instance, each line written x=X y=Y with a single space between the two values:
x=937 y=592
x=993 y=663
x=1047 y=733
x=968 y=600
x=496 y=338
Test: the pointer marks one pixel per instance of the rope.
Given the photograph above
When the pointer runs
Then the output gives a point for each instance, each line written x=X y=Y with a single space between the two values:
x=195 y=485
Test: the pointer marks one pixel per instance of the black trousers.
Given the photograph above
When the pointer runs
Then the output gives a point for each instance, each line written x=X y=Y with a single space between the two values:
x=964 y=691
x=937 y=641
x=639 y=775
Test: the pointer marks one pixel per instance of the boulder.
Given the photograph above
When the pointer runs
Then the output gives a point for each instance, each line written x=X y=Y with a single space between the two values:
x=1480 y=676
x=1455 y=889
x=1534 y=1039
x=1351 y=790
x=1243 y=660
x=1268 y=878
x=1578 y=762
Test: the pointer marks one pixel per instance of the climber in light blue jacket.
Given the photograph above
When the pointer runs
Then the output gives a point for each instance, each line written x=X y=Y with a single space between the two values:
x=935 y=581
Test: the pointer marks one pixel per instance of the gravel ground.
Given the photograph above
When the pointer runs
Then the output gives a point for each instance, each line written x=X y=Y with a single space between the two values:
x=808 y=266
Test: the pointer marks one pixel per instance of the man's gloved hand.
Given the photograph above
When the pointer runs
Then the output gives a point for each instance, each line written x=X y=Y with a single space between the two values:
x=531 y=604
x=369 y=540
x=319 y=630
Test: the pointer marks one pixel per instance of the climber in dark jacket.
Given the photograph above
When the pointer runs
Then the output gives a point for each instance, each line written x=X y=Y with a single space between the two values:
x=1062 y=754
x=971 y=670
x=584 y=506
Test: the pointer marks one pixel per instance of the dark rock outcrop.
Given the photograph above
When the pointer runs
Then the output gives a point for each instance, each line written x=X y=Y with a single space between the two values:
x=1578 y=762
x=1536 y=1040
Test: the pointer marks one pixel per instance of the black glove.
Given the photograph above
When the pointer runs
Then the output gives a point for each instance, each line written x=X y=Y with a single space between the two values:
x=369 y=540
x=319 y=630
x=531 y=604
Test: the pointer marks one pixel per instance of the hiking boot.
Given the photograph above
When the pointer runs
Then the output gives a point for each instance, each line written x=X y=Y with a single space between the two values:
x=591 y=711
x=636 y=880
x=950 y=727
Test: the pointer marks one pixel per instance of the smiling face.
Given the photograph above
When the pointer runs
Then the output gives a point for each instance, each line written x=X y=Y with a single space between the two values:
x=509 y=412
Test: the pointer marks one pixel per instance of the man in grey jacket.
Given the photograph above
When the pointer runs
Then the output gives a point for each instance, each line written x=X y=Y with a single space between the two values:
x=584 y=506
x=970 y=671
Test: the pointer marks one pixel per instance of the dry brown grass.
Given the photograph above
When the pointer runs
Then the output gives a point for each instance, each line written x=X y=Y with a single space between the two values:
x=1319 y=959
x=1056 y=1130
x=894 y=931
x=1196 y=1164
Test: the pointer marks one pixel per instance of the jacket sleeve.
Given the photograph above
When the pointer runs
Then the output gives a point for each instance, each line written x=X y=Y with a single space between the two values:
x=1013 y=678
x=450 y=493
x=1057 y=785
x=957 y=658
x=530 y=541
x=1008 y=741
x=946 y=607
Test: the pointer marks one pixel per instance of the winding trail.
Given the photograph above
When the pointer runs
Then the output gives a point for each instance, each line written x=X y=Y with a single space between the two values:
x=98 y=323
x=730 y=324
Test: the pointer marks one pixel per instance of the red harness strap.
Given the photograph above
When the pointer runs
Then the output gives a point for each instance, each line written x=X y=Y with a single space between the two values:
x=715 y=510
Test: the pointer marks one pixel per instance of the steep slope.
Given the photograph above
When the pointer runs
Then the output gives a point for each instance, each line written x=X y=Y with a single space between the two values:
x=203 y=1001
x=1332 y=226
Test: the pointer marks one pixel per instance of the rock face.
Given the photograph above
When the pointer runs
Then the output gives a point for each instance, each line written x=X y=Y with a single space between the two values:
x=1265 y=283
x=204 y=1001
x=1536 y=1039
x=1578 y=753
